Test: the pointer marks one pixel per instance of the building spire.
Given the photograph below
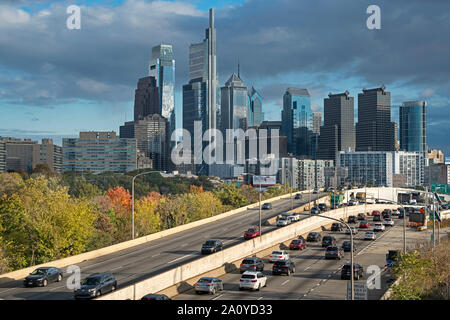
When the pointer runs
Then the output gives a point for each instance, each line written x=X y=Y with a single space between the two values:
x=239 y=69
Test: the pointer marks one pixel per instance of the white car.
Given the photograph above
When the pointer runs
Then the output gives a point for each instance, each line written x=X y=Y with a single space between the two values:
x=370 y=235
x=294 y=217
x=388 y=222
x=395 y=212
x=354 y=230
x=283 y=221
x=278 y=255
x=253 y=280
x=379 y=227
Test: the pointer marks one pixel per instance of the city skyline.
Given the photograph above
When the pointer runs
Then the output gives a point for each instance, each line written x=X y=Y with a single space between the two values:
x=33 y=92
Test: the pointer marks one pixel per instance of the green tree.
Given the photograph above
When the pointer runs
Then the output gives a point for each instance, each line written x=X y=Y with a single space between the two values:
x=10 y=182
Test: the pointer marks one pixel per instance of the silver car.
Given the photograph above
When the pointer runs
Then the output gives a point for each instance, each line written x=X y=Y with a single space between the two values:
x=388 y=222
x=283 y=221
x=370 y=235
x=208 y=284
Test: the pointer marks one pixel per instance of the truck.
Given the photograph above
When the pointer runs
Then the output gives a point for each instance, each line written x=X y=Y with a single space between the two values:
x=365 y=197
x=417 y=218
x=336 y=200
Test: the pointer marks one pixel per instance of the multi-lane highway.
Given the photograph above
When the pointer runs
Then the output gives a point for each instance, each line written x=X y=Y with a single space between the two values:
x=142 y=261
x=317 y=278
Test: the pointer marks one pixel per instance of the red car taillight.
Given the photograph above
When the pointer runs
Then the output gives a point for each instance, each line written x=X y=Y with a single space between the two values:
x=254 y=280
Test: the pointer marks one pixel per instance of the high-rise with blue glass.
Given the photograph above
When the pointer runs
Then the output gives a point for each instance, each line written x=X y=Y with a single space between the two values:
x=255 y=114
x=297 y=123
x=413 y=126
x=162 y=67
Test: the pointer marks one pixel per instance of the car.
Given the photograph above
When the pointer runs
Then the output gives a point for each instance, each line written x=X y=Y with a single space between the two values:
x=314 y=237
x=388 y=222
x=314 y=210
x=354 y=230
x=251 y=264
x=349 y=187
x=334 y=252
x=253 y=280
x=298 y=196
x=375 y=212
x=377 y=217
x=153 y=296
x=336 y=227
x=401 y=215
x=278 y=255
x=386 y=215
x=328 y=241
x=266 y=206
x=346 y=272
x=294 y=217
x=283 y=267
x=353 y=202
x=209 y=285
x=347 y=244
x=379 y=227
x=283 y=221
x=421 y=228
x=316 y=191
x=322 y=207
x=361 y=216
x=95 y=285
x=370 y=235
x=351 y=219
x=297 y=244
x=211 y=246
x=395 y=212
x=251 y=233
x=41 y=277
x=364 y=224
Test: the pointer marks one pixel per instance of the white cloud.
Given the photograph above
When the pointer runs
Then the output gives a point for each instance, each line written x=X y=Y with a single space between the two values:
x=92 y=86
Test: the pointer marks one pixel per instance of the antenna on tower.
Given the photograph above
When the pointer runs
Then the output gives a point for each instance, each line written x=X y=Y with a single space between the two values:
x=239 y=69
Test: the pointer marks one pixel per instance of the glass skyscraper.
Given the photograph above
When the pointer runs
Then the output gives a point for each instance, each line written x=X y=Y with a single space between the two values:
x=234 y=104
x=413 y=126
x=162 y=67
x=297 y=120
x=255 y=114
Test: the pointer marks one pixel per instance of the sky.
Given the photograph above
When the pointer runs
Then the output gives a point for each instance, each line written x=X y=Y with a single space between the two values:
x=55 y=82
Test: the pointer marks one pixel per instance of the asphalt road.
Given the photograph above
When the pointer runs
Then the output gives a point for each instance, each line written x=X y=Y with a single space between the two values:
x=143 y=261
x=317 y=278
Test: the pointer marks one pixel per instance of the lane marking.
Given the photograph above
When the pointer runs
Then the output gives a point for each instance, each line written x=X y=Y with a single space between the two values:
x=285 y=282
x=217 y=297
x=259 y=298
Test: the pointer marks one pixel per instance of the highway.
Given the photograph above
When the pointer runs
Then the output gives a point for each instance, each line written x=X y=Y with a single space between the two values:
x=316 y=278
x=140 y=262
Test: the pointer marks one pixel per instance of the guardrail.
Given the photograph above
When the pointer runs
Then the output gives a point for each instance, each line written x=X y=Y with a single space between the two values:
x=183 y=274
x=64 y=262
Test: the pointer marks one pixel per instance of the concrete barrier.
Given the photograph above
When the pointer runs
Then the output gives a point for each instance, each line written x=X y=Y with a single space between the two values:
x=19 y=274
x=184 y=275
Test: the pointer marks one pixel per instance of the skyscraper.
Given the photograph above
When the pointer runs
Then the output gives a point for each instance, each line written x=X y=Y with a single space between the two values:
x=338 y=131
x=2 y=156
x=413 y=126
x=255 y=114
x=296 y=118
x=234 y=104
x=146 y=99
x=162 y=68
x=374 y=130
x=317 y=122
x=49 y=154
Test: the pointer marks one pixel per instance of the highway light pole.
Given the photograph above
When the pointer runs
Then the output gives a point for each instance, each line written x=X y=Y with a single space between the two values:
x=132 y=199
x=352 y=280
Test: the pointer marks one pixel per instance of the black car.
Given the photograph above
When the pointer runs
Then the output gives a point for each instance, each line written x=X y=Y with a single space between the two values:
x=334 y=252
x=95 y=285
x=401 y=215
x=349 y=187
x=152 y=296
x=328 y=241
x=377 y=217
x=351 y=219
x=361 y=216
x=251 y=264
x=267 y=206
x=41 y=277
x=347 y=246
x=336 y=227
x=212 y=246
x=283 y=267
x=298 y=196
x=322 y=207
x=314 y=210
x=357 y=271
x=316 y=191
x=313 y=237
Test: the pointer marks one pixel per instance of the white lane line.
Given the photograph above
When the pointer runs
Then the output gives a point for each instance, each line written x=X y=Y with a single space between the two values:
x=285 y=282
x=8 y=290
x=259 y=298
x=180 y=258
x=155 y=255
x=116 y=268
x=217 y=297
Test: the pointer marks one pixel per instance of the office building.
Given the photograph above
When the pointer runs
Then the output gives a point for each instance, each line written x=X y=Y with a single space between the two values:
x=438 y=173
x=49 y=154
x=296 y=118
x=146 y=99
x=413 y=126
x=255 y=114
x=411 y=165
x=162 y=68
x=152 y=138
x=19 y=154
x=2 y=156
x=303 y=174
x=374 y=130
x=338 y=132
x=434 y=156
x=234 y=105
x=317 y=122
x=98 y=152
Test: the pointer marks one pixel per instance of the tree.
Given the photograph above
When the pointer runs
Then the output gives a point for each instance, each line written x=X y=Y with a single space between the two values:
x=10 y=182
x=230 y=195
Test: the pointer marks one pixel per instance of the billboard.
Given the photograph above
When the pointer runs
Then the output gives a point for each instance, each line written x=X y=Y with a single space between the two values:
x=264 y=180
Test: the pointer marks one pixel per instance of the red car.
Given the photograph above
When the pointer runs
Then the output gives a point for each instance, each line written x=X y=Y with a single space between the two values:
x=251 y=233
x=297 y=244
x=364 y=224
x=375 y=212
